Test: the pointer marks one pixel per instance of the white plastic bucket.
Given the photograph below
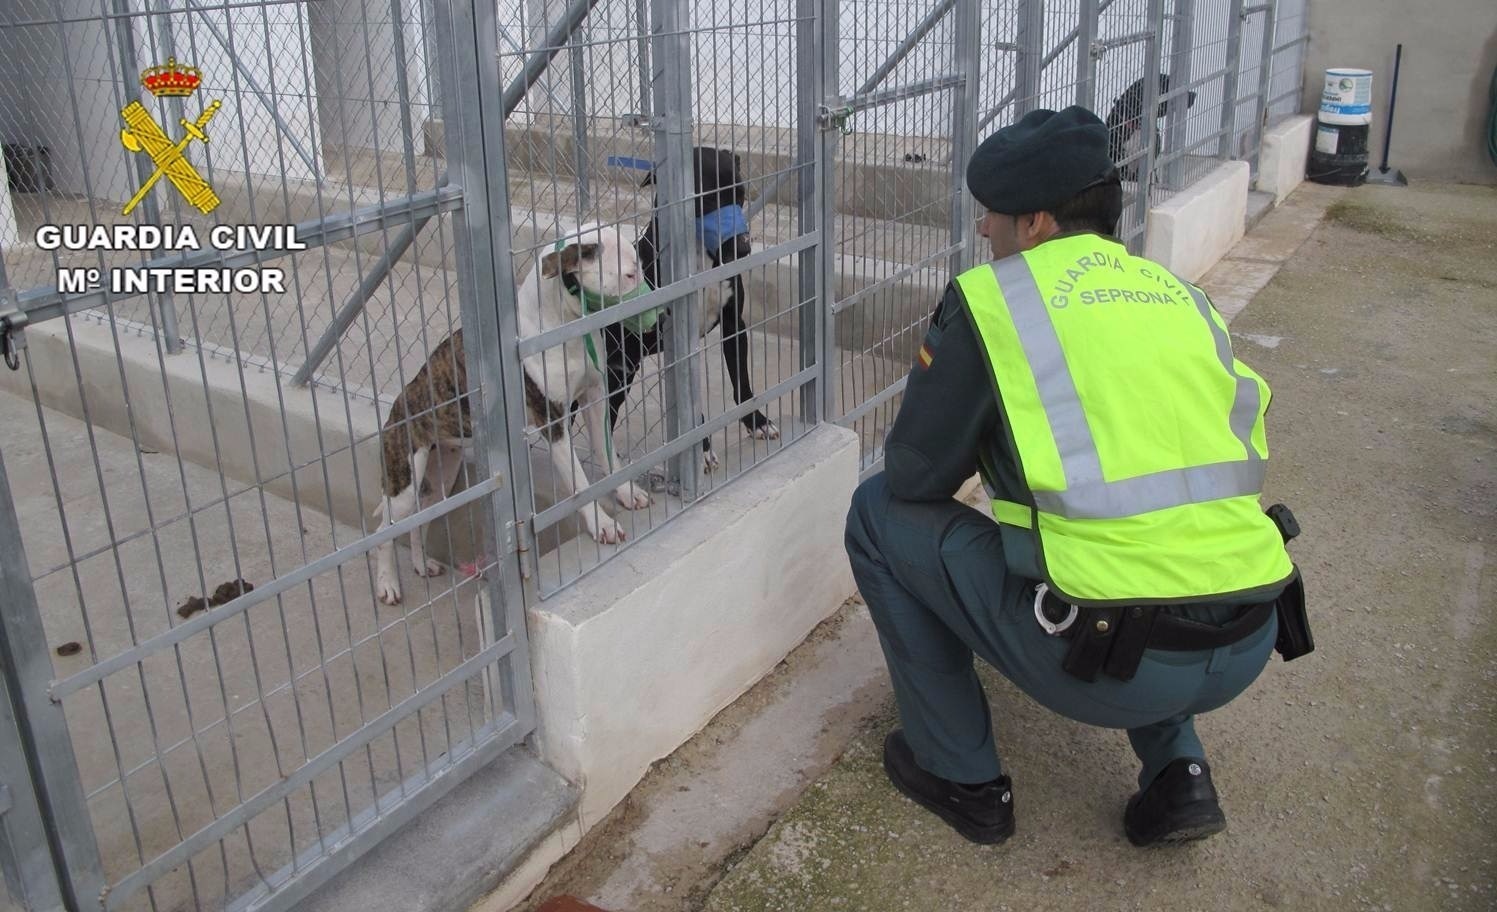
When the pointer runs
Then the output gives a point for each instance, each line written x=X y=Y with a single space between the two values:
x=1347 y=97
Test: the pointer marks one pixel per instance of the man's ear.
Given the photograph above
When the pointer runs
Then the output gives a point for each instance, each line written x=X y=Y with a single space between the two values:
x=1037 y=227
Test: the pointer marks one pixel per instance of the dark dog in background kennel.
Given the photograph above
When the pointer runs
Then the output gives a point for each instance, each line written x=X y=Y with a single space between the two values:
x=722 y=228
x=1125 y=125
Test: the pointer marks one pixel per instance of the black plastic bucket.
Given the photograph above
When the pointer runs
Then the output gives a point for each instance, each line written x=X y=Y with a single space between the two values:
x=1340 y=154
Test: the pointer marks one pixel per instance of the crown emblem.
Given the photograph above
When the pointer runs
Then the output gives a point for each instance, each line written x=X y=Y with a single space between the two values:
x=172 y=79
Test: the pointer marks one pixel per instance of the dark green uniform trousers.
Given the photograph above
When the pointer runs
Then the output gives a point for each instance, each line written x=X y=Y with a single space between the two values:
x=935 y=581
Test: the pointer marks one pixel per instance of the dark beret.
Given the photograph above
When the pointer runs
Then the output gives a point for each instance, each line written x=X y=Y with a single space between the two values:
x=1041 y=161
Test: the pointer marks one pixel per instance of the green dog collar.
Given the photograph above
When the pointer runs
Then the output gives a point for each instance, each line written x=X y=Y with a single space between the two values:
x=592 y=301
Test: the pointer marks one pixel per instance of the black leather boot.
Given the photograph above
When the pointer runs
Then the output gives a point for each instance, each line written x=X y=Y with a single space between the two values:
x=984 y=815
x=1178 y=806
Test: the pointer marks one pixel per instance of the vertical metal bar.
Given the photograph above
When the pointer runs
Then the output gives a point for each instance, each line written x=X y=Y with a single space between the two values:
x=474 y=110
x=29 y=870
x=151 y=212
x=1224 y=147
x=1148 y=119
x=830 y=51
x=670 y=51
x=967 y=29
x=642 y=29
x=26 y=665
x=1265 y=80
x=579 y=120
x=1031 y=63
x=1086 y=63
x=1175 y=113
x=811 y=295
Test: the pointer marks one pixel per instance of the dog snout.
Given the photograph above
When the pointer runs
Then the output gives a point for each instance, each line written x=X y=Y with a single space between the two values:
x=737 y=247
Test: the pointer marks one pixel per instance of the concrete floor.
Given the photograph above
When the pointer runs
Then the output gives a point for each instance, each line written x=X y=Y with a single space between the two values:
x=226 y=713
x=1360 y=777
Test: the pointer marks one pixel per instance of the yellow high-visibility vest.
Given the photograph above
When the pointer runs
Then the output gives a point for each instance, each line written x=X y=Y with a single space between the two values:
x=1139 y=436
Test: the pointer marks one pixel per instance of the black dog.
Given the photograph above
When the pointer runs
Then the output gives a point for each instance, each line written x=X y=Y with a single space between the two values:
x=720 y=195
x=1125 y=121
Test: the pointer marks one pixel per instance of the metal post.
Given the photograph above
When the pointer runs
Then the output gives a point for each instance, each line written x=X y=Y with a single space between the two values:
x=967 y=27
x=474 y=117
x=1176 y=109
x=579 y=122
x=1148 y=119
x=670 y=51
x=830 y=52
x=808 y=168
x=130 y=68
x=1224 y=150
x=1265 y=80
x=30 y=875
x=1086 y=63
x=1031 y=63
x=26 y=664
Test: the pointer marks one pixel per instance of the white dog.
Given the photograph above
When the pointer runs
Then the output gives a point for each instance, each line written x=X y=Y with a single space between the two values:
x=429 y=425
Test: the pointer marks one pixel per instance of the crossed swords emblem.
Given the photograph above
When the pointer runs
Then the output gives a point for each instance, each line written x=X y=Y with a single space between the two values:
x=142 y=134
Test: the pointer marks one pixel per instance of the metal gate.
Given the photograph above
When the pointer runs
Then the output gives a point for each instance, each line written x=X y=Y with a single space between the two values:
x=209 y=706
x=924 y=126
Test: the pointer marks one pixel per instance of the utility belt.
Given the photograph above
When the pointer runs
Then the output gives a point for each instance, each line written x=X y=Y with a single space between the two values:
x=1112 y=639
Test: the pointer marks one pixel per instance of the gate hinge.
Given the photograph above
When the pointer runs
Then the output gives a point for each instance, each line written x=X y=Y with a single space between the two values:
x=516 y=537
x=839 y=119
x=12 y=329
x=1096 y=50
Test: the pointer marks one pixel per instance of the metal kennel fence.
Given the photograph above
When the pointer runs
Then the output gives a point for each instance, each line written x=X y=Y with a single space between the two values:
x=207 y=704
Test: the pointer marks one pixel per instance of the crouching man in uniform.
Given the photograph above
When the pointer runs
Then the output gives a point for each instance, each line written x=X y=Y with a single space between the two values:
x=1128 y=577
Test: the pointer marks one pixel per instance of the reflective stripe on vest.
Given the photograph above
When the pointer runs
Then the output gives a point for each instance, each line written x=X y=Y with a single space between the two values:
x=1087 y=495
x=1155 y=498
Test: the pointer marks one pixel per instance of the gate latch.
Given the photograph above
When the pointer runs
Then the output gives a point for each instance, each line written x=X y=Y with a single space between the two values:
x=12 y=329
x=839 y=119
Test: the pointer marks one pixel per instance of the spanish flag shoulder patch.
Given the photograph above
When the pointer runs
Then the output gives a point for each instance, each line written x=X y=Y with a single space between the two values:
x=925 y=356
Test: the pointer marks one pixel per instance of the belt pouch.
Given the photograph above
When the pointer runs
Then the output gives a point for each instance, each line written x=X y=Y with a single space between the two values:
x=1096 y=630
x=1135 y=624
x=1294 y=638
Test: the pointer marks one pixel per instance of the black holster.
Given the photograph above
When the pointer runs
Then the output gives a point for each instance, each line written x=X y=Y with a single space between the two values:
x=1294 y=639
x=1111 y=640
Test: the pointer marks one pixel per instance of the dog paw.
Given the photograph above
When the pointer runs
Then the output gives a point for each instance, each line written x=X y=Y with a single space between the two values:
x=632 y=497
x=388 y=589
x=710 y=462
x=607 y=531
x=429 y=567
x=759 y=426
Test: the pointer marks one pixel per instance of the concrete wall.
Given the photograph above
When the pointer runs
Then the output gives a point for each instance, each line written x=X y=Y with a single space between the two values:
x=360 y=104
x=635 y=658
x=1449 y=51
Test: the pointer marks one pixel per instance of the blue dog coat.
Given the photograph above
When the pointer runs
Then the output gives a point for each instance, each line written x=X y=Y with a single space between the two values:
x=721 y=225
